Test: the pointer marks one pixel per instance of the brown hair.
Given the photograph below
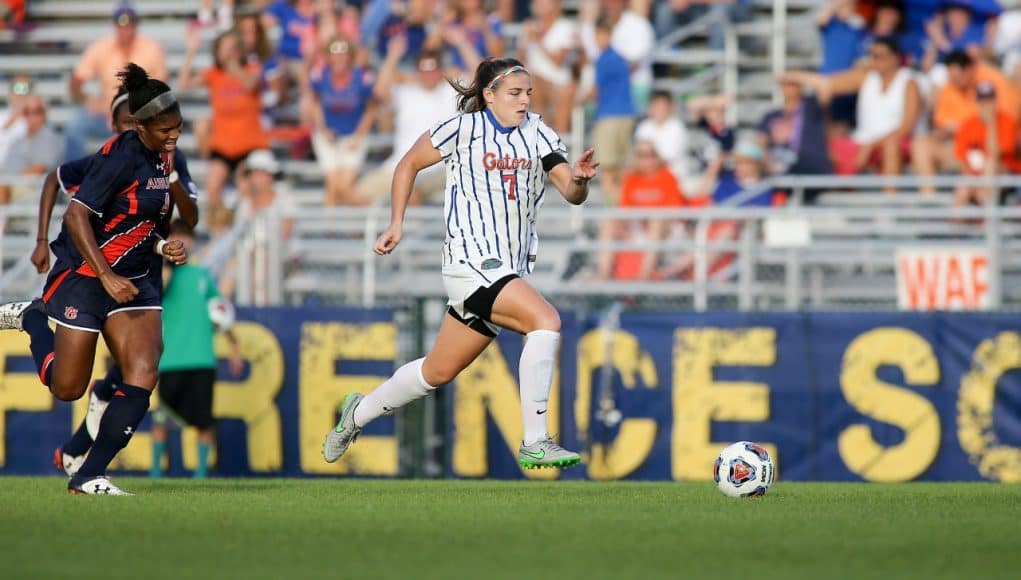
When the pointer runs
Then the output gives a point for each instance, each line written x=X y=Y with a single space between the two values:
x=471 y=99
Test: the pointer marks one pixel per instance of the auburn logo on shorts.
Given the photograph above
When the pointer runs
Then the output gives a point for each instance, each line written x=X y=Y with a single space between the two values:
x=70 y=313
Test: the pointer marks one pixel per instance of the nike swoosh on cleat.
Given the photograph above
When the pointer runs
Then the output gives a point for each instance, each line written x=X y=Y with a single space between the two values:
x=538 y=455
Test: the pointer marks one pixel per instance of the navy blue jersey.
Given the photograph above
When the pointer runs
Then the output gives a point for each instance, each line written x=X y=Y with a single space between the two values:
x=71 y=174
x=125 y=186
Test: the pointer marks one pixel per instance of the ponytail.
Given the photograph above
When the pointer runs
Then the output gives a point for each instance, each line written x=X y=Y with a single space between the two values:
x=471 y=99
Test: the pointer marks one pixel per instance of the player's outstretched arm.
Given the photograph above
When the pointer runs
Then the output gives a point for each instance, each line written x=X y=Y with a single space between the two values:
x=421 y=155
x=572 y=181
x=48 y=198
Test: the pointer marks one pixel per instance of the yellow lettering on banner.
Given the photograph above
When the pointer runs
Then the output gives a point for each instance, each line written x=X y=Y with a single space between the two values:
x=322 y=389
x=890 y=404
x=698 y=400
x=487 y=387
x=636 y=436
x=252 y=400
x=18 y=391
x=976 y=400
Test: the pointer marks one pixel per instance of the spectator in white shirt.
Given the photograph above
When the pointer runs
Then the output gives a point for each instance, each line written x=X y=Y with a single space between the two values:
x=12 y=119
x=419 y=102
x=666 y=132
x=548 y=38
x=35 y=154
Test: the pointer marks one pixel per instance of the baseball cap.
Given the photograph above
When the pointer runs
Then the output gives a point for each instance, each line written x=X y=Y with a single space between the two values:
x=985 y=90
x=262 y=160
x=125 y=14
x=749 y=150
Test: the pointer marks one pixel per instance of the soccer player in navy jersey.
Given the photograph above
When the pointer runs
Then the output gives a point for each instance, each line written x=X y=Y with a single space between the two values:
x=100 y=281
x=68 y=178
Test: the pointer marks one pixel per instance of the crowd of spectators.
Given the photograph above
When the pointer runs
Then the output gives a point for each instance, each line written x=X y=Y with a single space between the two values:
x=902 y=87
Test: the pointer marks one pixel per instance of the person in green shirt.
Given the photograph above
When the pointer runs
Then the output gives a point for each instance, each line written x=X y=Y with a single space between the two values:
x=188 y=366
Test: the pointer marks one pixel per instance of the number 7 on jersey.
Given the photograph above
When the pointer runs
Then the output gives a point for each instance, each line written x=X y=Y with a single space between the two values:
x=511 y=179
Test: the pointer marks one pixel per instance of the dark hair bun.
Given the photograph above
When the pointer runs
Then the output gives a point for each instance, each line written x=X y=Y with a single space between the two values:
x=133 y=77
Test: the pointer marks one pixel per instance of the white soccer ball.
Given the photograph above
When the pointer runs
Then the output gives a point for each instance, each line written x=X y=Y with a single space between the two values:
x=744 y=469
x=221 y=312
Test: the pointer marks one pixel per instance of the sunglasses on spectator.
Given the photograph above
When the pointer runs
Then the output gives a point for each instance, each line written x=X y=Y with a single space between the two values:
x=644 y=153
x=339 y=47
x=428 y=65
x=125 y=20
x=35 y=111
x=21 y=88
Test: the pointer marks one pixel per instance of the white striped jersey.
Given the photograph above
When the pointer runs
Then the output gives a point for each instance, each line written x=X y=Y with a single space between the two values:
x=495 y=184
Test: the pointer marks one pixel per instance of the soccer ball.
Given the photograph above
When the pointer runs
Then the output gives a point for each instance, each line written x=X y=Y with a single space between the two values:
x=743 y=469
x=221 y=312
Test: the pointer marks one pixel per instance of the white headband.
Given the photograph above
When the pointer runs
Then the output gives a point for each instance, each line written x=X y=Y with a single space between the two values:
x=160 y=103
x=118 y=102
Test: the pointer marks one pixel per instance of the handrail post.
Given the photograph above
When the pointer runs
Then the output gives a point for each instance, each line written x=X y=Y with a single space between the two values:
x=701 y=297
x=779 y=49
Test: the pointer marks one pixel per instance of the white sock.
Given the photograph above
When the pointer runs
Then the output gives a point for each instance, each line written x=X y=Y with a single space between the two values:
x=536 y=376
x=406 y=385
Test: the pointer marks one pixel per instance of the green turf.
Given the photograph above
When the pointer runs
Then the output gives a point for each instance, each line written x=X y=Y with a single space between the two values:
x=481 y=530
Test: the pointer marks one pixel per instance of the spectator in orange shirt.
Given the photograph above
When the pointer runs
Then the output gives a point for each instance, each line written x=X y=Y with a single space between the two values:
x=649 y=184
x=986 y=144
x=956 y=103
x=235 y=96
x=101 y=61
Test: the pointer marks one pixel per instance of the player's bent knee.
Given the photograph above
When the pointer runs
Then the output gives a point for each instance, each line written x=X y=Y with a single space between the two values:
x=439 y=374
x=67 y=391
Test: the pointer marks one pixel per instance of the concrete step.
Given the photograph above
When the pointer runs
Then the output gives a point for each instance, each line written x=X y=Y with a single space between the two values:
x=103 y=9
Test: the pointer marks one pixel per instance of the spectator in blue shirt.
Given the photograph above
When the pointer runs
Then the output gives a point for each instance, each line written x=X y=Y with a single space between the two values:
x=794 y=136
x=294 y=23
x=954 y=28
x=615 y=112
x=408 y=19
x=342 y=112
x=843 y=33
x=842 y=30
x=468 y=22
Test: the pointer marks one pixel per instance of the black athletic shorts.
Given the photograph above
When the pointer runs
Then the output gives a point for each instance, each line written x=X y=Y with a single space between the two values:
x=188 y=395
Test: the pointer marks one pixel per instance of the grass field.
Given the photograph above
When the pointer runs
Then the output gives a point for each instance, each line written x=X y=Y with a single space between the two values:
x=348 y=529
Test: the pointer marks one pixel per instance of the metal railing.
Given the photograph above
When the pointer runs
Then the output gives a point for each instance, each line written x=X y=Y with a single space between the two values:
x=822 y=256
x=844 y=256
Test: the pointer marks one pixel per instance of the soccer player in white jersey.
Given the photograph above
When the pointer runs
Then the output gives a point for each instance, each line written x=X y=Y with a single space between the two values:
x=497 y=156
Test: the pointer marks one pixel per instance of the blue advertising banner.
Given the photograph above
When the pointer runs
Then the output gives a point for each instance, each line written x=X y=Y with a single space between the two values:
x=834 y=396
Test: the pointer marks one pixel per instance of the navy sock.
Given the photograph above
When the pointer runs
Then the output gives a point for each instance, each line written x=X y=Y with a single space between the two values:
x=121 y=419
x=105 y=386
x=37 y=325
x=79 y=443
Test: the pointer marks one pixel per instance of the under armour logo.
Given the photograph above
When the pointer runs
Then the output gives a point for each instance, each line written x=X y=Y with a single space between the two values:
x=103 y=489
x=161 y=167
x=129 y=430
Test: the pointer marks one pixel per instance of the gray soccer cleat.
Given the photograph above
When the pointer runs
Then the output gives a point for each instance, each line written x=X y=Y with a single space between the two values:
x=11 y=314
x=344 y=434
x=546 y=453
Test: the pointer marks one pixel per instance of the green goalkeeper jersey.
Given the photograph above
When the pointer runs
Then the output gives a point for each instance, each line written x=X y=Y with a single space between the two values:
x=187 y=328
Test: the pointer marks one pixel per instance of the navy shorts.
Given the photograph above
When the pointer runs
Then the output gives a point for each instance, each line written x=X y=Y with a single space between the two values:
x=80 y=302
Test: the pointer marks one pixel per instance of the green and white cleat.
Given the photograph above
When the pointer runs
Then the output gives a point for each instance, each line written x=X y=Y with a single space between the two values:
x=344 y=434
x=546 y=453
